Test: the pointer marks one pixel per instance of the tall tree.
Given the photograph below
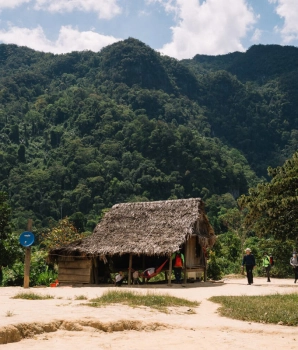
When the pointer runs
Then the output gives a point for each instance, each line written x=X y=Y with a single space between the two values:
x=273 y=207
x=233 y=220
x=9 y=247
x=63 y=233
x=5 y=212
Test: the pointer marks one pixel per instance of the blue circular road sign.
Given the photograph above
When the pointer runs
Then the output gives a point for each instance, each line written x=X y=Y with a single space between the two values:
x=26 y=239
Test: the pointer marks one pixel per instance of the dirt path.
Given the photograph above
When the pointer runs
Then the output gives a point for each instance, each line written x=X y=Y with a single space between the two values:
x=62 y=323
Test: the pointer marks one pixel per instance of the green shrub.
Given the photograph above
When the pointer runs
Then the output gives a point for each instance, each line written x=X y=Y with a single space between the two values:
x=40 y=272
x=13 y=276
x=214 y=269
x=46 y=277
x=228 y=267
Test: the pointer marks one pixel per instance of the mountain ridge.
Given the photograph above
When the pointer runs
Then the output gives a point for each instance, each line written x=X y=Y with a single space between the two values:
x=82 y=131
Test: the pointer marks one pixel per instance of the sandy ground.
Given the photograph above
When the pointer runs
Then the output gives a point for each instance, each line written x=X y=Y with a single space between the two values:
x=63 y=323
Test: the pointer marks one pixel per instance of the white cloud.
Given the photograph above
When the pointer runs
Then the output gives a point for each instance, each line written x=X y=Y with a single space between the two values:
x=69 y=39
x=106 y=9
x=256 y=36
x=12 y=3
x=207 y=27
x=169 y=5
x=144 y=13
x=288 y=9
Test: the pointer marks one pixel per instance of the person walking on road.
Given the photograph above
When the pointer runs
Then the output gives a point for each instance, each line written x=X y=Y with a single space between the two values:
x=267 y=266
x=294 y=264
x=250 y=263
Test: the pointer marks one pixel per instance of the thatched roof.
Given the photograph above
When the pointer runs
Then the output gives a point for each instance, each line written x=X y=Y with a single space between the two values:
x=150 y=228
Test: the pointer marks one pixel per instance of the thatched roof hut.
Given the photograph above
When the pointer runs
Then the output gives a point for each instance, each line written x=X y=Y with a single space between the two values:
x=149 y=228
x=138 y=235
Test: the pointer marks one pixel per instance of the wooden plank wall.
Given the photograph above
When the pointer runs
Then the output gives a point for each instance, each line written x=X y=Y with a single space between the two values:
x=191 y=260
x=193 y=263
x=76 y=271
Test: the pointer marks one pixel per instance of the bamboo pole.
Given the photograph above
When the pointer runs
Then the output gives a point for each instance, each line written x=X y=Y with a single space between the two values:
x=27 y=259
x=170 y=270
x=95 y=270
x=129 y=269
x=205 y=268
x=143 y=268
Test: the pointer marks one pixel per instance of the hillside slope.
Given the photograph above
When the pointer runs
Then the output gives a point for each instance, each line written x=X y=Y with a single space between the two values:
x=82 y=131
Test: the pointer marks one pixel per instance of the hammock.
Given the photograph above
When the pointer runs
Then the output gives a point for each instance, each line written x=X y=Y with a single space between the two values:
x=156 y=272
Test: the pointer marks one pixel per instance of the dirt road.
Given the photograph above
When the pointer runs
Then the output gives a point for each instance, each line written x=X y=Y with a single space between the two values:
x=64 y=323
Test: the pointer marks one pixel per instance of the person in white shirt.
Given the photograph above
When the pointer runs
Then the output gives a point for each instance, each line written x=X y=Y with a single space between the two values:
x=119 y=279
x=294 y=264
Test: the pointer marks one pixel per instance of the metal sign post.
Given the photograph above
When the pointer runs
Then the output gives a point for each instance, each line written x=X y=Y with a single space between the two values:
x=26 y=240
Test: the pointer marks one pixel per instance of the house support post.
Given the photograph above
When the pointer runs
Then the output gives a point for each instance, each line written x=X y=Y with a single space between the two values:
x=205 y=268
x=170 y=270
x=143 y=267
x=185 y=259
x=95 y=270
x=129 y=269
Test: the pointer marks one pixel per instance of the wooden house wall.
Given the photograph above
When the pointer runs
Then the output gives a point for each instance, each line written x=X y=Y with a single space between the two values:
x=193 y=254
x=75 y=271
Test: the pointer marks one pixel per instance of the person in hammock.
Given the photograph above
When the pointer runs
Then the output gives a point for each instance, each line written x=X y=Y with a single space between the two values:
x=148 y=272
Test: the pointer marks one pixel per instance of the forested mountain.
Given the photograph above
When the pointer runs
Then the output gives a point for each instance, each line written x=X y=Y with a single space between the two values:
x=251 y=101
x=82 y=131
x=260 y=63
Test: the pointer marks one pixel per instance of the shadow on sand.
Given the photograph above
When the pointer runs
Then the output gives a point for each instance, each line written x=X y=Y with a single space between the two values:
x=154 y=285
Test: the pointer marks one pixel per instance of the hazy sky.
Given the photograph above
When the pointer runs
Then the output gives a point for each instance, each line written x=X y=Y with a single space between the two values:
x=178 y=28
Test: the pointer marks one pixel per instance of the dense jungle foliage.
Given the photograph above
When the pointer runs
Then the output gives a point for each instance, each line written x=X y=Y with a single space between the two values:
x=82 y=131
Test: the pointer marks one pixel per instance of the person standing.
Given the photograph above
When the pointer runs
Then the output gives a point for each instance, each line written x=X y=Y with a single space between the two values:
x=250 y=263
x=294 y=264
x=267 y=266
x=178 y=258
x=135 y=277
x=119 y=279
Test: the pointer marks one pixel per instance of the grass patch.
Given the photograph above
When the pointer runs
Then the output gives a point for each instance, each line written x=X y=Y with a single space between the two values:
x=32 y=296
x=80 y=297
x=276 y=308
x=234 y=276
x=9 y=313
x=133 y=299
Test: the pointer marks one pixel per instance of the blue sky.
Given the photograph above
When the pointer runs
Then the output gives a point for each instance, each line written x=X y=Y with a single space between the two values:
x=177 y=28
